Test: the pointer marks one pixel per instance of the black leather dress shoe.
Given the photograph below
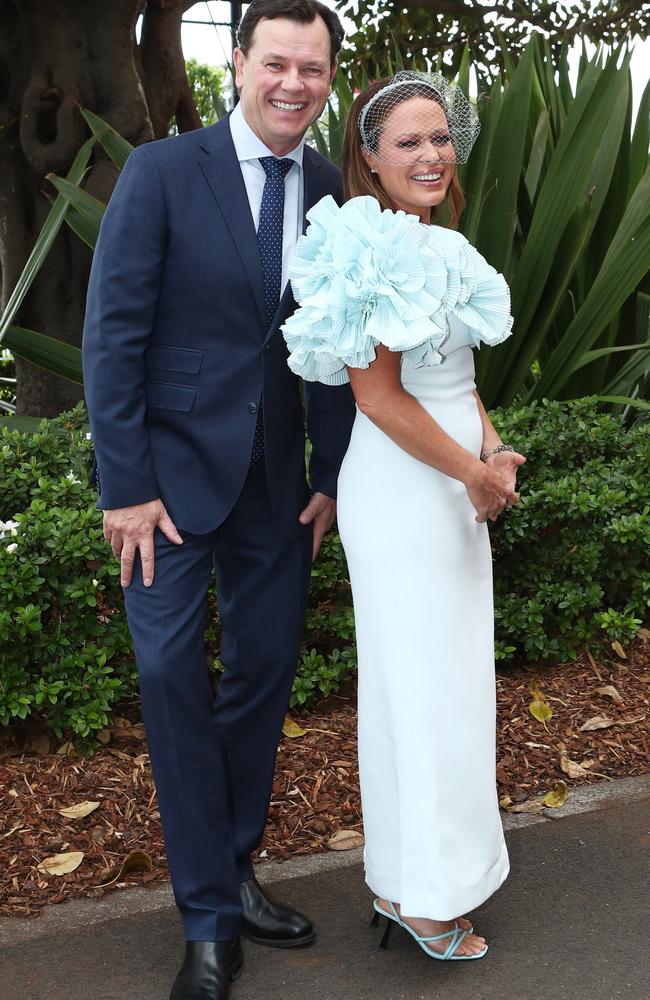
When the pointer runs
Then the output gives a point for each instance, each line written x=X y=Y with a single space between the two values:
x=208 y=970
x=265 y=921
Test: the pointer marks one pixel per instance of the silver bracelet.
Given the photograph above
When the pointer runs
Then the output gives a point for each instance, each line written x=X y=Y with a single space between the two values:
x=495 y=451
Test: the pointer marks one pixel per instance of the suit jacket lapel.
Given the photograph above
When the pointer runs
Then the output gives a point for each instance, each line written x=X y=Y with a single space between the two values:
x=223 y=174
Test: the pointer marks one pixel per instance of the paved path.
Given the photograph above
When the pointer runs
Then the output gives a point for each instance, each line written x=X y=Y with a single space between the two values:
x=571 y=922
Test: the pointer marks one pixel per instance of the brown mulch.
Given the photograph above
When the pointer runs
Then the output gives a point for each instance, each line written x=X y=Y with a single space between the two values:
x=315 y=792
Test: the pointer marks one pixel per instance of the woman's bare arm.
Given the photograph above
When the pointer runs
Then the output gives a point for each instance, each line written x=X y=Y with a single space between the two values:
x=382 y=398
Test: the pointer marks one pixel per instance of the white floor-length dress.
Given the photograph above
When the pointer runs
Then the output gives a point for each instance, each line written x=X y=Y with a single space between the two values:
x=420 y=565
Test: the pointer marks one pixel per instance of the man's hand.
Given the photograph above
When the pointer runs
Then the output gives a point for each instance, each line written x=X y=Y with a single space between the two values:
x=129 y=529
x=320 y=511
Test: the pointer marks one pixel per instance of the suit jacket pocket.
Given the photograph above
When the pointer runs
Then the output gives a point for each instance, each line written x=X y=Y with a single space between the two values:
x=174 y=359
x=170 y=397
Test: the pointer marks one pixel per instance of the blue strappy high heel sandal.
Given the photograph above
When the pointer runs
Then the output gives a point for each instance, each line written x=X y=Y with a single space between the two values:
x=449 y=955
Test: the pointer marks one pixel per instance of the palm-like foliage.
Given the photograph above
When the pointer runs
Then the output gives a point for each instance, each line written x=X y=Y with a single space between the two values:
x=558 y=199
x=558 y=195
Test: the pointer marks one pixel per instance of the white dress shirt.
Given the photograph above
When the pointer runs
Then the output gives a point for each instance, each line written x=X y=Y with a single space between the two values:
x=249 y=148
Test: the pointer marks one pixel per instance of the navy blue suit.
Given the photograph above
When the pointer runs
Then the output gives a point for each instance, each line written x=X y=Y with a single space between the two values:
x=176 y=359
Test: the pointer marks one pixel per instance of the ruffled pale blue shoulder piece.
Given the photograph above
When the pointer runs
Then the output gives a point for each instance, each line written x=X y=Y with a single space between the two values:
x=477 y=294
x=365 y=276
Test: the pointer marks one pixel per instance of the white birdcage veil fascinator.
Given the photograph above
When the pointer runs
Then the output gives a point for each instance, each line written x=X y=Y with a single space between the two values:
x=437 y=116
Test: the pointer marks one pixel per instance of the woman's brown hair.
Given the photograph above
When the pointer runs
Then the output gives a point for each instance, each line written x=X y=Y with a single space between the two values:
x=358 y=178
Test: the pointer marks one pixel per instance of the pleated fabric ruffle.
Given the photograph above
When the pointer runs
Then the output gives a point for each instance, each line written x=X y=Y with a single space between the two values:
x=364 y=276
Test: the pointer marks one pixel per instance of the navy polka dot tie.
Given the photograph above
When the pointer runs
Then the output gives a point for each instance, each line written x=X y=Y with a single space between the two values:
x=269 y=238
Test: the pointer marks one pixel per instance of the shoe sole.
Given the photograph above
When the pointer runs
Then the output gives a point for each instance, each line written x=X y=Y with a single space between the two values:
x=281 y=942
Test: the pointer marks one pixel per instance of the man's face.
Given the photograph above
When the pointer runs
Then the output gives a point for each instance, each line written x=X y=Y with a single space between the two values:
x=285 y=80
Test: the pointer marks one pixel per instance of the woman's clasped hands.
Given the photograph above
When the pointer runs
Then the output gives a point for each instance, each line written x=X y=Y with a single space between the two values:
x=493 y=487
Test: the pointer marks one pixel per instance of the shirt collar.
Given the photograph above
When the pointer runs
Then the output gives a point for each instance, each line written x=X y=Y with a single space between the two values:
x=248 y=146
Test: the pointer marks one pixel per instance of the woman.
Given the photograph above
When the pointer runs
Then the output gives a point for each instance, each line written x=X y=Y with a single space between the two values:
x=396 y=305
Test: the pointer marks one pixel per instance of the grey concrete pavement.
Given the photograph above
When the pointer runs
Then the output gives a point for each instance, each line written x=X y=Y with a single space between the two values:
x=571 y=922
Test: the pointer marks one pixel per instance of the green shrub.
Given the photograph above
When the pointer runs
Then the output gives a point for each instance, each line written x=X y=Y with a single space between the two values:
x=64 y=644
x=571 y=566
x=571 y=563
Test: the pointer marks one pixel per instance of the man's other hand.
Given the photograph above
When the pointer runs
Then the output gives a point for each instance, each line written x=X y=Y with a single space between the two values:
x=130 y=529
x=320 y=511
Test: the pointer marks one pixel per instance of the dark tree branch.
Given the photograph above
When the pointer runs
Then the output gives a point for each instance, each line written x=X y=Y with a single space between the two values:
x=165 y=80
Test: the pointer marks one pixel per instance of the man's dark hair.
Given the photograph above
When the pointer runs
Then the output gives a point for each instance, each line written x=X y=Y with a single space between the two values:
x=303 y=11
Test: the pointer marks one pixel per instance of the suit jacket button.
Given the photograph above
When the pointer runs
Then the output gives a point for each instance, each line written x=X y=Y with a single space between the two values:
x=252 y=407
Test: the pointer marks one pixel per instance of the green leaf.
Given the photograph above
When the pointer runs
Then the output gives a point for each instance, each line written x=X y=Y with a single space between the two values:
x=116 y=147
x=321 y=144
x=85 y=205
x=603 y=352
x=45 y=240
x=499 y=211
x=640 y=141
x=46 y=352
x=537 y=153
x=638 y=404
x=81 y=227
x=26 y=425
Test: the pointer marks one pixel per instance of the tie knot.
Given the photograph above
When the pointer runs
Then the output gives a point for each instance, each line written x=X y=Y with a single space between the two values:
x=275 y=167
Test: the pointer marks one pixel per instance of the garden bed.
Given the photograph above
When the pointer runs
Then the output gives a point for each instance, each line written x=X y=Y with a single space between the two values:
x=315 y=792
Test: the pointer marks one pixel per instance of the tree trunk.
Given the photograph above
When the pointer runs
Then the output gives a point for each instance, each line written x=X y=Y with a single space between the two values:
x=51 y=61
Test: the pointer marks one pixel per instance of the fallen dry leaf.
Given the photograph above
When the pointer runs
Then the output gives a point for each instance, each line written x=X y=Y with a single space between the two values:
x=61 y=864
x=540 y=711
x=80 y=810
x=618 y=649
x=571 y=768
x=557 y=796
x=535 y=692
x=534 y=806
x=292 y=729
x=596 y=722
x=609 y=691
x=345 y=840
x=136 y=861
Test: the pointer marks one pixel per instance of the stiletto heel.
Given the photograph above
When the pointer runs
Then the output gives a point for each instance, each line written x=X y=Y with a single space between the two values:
x=383 y=944
x=375 y=920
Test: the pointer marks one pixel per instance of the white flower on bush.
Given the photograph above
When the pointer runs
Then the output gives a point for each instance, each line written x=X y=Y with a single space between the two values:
x=95 y=583
x=12 y=548
x=8 y=528
x=72 y=478
x=89 y=436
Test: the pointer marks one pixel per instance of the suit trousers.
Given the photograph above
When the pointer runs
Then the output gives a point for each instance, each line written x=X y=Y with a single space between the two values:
x=213 y=758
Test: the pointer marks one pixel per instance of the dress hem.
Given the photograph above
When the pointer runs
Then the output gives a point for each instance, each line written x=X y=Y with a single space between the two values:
x=442 y=904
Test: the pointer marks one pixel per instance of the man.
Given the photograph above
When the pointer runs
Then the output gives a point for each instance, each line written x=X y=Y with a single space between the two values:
x=199 y=435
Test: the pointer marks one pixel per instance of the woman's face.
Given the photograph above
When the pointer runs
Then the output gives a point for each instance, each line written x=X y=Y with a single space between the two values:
x=415 y=158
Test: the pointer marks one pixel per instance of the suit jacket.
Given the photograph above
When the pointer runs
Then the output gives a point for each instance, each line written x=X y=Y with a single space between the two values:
x=176 y=350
